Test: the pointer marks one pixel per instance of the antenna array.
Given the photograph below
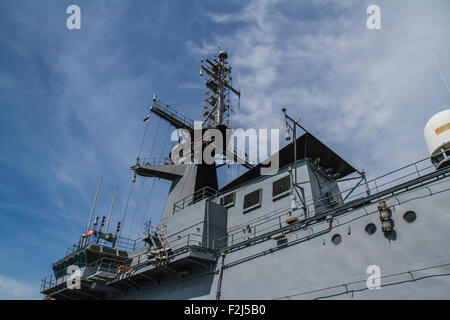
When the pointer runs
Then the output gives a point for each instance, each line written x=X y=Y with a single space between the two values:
x=218 y=108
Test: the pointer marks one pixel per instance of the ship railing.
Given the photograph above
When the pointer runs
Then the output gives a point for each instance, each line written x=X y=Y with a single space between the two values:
x=277 y=218
x=112 y=266
x=191 y=239
x=404 y=174
x=153 y=161
x=139 y=244
x=48 y=282
x=107 y=265
x=204 y=193
x=59 y=277
x=121 y=243
x=51 y=281
x=125 y=244
x=177 y=241
x=166 y=109
x=179 y=245
x=102 y=265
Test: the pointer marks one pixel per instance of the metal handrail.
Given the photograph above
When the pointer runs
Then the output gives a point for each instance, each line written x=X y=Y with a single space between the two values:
x=153 y=161
x=103 y=264
x=204 y=193
x=191 y=241
x=121 y=243
x=174 y=113
x=113 y=265
x=372 y=185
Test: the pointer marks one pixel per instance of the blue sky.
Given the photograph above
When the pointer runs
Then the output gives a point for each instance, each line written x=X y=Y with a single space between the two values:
x=72 y=101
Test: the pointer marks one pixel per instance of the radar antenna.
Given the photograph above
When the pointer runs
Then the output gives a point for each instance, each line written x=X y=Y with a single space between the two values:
x=218 y=90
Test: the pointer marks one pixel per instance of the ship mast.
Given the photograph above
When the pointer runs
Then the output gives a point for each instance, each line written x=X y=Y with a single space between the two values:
x=218 y=91
x=217 y=110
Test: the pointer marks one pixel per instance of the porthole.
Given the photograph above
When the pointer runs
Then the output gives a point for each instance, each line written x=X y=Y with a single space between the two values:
x=371 y=228
x=410 y=216
x=336 y=239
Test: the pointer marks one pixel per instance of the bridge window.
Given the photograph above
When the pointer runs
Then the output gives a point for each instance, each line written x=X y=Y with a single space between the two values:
x=252 y=200
x=281 y=188
x=228 y=200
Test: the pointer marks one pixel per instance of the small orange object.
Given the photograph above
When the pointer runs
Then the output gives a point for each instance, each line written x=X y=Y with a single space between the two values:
x=87 y=234
x=291 y=220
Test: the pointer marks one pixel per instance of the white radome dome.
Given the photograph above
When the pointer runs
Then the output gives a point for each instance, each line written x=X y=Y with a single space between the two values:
x=437 y=132
x=437 y=135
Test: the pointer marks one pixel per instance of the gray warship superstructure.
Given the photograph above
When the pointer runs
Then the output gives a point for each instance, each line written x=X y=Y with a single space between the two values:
x=283 y=233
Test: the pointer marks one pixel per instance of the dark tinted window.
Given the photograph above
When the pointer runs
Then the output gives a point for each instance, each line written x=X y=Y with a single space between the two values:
x=281 y=185
x=252 y=199
x=109 y=250
x=123 y=253
x=228 y=200
x=94 y=247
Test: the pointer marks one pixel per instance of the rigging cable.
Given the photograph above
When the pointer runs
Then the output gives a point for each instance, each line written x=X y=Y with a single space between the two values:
x=126 y=207
x=132 y=184
x=142 y=184
x=143 y=138
x=153 y=182
x=439 y=69
x=142 y=189
x=136 y=208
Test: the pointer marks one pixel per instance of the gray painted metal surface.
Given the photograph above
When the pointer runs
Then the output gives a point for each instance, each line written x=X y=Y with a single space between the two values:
x=414 y=265
x=207 y=248
x=306 y=264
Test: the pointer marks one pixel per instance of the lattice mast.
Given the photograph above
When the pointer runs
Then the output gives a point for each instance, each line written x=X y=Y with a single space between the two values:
x=217 y=110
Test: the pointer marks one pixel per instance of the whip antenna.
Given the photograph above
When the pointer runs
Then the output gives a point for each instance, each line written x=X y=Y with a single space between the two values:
x=439 y=69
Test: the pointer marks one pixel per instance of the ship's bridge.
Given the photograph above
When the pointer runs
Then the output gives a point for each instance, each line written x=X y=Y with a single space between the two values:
x=165 y=253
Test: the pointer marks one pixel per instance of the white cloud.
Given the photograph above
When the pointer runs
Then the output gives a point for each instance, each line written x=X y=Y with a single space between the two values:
x=11 y=289
x=367 y=94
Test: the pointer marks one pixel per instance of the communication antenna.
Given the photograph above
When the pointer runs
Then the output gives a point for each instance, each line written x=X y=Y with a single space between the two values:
x=440 y=72
x=110 y=210
x=102 y=224
x=96 y=222
x=239 y=96
x=118 y=228
x=217 y=110
x=93 y=206
x=218 y=90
